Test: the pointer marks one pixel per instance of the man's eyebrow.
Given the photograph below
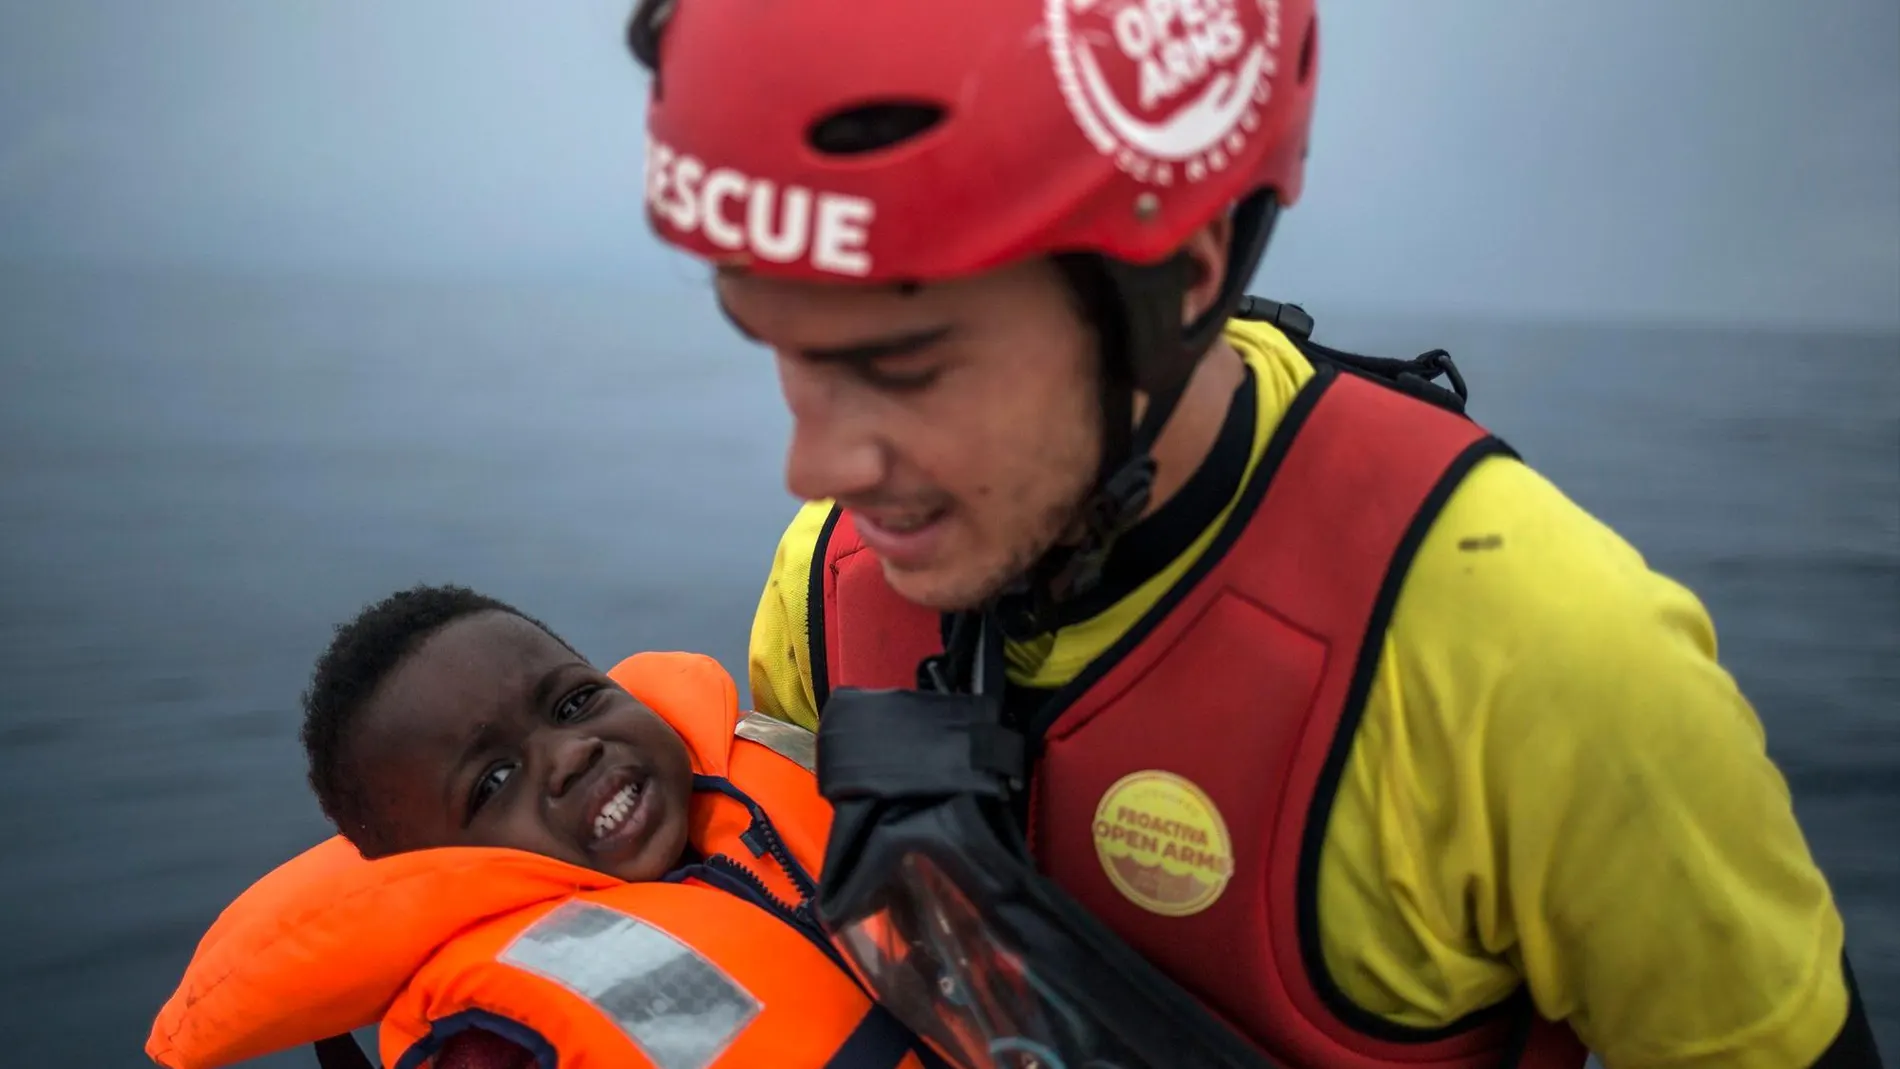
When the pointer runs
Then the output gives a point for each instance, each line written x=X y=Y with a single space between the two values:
x=860 y=352
x=857 y=352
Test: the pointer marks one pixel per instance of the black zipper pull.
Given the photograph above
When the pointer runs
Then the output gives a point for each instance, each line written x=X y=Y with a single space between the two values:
x=754 y=841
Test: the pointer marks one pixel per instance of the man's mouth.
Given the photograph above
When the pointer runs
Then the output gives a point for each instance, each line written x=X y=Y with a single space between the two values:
x=901 y=521
x=903 y=538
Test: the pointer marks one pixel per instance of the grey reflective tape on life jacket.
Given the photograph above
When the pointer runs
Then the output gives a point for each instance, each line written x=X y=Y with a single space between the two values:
x=787 y=740
x=680 y=1008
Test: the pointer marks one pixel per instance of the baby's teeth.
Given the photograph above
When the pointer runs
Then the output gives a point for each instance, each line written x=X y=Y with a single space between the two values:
x=614 y=811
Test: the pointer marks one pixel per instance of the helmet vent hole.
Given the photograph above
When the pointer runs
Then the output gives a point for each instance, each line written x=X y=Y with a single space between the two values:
x=1306 y=51
x=868 y=128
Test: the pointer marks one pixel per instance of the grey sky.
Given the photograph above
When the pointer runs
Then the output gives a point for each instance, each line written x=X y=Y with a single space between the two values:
x=1676 y=159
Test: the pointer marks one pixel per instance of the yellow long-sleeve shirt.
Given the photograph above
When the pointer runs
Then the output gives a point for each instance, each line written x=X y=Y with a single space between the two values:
x=1554 y=782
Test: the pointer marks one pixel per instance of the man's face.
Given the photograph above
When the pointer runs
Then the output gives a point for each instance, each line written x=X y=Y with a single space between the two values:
x=958 y=423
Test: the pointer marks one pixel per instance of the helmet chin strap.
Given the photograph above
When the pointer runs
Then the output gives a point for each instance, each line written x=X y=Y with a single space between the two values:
x=1145 y=348
x=1137 y=310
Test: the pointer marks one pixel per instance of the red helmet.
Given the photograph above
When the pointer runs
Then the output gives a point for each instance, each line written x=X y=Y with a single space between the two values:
x=893 y=140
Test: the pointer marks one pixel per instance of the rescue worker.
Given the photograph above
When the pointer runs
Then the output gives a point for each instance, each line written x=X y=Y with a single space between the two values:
x=1375 y=747
x=538 y=864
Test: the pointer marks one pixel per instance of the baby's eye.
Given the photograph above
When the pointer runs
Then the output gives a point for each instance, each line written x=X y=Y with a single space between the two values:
x=574 y=706
x=488 y=784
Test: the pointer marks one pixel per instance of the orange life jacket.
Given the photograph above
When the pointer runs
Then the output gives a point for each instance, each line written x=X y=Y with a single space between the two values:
x=720 y=964
x=1184 y=781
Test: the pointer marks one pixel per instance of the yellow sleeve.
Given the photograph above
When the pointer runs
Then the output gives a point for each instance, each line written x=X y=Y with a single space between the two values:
x=1572 y=786
x=778 y=664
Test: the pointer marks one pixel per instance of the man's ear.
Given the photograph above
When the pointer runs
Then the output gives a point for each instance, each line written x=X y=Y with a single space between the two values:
x=1206 y=253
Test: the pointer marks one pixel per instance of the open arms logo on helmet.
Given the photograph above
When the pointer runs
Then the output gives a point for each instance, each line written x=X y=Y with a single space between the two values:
x=756 y=218
x=1166 y=88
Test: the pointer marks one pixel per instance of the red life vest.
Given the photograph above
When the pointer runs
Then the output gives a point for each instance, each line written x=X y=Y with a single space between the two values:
x=1196 y=835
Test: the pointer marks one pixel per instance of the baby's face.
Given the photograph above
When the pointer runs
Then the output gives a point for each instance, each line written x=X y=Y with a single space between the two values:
x=494 y=734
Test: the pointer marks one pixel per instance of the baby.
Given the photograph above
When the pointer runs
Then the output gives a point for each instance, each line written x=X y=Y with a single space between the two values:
x=538 y=863
x=442 y=717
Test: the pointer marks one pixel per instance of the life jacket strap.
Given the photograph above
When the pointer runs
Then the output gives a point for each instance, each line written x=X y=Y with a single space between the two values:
x=341 y=1052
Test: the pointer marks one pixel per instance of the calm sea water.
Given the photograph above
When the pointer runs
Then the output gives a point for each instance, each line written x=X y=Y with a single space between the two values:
x=197 y=480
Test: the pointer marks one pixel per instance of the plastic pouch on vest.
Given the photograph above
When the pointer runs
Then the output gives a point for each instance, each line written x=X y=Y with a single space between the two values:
x=929 y=893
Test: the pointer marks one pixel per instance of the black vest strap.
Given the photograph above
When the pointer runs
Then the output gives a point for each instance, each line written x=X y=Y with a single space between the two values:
x=1414 y=376
x=341 y=1052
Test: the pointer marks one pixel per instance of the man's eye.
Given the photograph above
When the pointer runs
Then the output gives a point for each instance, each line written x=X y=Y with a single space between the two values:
x=898 y=375
x=911 y=383
x=488 y=784
x=574 y=706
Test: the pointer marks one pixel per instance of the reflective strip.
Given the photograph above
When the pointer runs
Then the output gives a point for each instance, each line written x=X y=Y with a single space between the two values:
x=786 y=740
x=672 y=1001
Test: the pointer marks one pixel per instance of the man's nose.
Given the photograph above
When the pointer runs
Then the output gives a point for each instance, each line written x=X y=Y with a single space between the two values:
x=837 y=449
x=571 y=755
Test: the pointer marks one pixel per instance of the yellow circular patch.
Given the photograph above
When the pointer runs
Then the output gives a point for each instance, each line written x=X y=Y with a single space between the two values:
x=1162 y=843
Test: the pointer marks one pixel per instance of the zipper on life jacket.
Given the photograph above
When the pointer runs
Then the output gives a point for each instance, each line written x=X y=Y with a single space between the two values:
x=760 y=836
x=732 y=876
